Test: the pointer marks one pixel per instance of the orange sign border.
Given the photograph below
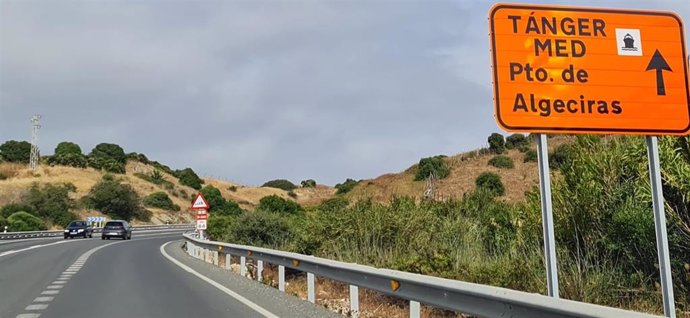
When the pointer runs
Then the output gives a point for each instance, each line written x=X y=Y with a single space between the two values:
x=579 y=130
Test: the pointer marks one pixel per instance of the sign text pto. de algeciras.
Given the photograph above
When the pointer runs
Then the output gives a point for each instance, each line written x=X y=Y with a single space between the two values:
x=558 y=47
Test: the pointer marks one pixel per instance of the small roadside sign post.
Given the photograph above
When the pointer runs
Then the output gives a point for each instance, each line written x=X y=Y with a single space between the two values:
x=579 y=70
x=200 y=205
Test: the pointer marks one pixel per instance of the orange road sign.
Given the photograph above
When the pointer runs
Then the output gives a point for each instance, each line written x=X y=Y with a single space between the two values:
x=589 y=70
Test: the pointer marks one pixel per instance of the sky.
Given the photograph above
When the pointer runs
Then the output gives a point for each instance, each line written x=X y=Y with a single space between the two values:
x=250 y=91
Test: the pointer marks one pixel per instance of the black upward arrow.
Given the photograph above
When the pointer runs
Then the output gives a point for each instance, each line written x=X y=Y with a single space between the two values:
x=659 y=64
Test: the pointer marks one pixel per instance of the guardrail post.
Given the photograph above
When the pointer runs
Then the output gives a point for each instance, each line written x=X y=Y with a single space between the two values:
x=354 y=301
x=243 y=265
x=259 y=270
x=215 y=258
x=311 y=288
x=415 y=309
x=281 y=278
x=228 y=261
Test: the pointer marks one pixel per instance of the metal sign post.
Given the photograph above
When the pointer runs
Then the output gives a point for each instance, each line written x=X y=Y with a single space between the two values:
x=547 y=216
x=660 y=226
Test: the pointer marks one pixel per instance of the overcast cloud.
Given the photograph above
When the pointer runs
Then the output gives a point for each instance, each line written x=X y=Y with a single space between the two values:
x=250 y=91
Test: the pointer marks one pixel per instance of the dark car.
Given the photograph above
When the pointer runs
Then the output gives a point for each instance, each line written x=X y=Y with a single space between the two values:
x=78 y=228
x=117 y=228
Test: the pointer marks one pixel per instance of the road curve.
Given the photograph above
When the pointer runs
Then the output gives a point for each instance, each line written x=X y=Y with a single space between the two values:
x=113 y=278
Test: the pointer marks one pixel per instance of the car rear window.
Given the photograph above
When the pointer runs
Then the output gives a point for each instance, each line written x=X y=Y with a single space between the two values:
x=113 y=224
x=77 y=223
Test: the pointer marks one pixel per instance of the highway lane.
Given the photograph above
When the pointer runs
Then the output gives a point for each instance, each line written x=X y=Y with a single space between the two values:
x=114 y=278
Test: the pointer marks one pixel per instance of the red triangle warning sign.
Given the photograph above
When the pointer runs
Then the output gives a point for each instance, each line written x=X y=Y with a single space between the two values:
x=200 y=203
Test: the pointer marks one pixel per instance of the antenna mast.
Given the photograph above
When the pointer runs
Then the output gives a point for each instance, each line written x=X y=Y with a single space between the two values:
x=35 y=126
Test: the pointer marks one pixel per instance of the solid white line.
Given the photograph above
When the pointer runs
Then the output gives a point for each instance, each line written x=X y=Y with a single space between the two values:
x=28 y=316
x=50 y=292
x=44 y=299
x=29 y=248
x=222 y=288
x=36 y=307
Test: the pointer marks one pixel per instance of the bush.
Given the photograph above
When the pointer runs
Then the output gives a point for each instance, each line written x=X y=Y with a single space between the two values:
x=188 y=177
x=232 y=188
x=346 y=186
x=67 y=148
x=106 y=164
x=51 y=202
x=432 y=165
x=292 y=194
x=70 y=159
x=561 y=156
x=218 y=204
x=10 y=209
x=280 y=184
x=162 y=167
x=491 y=182
x=261 y=229
x=116 y=199
x=16 y=151
x=516 y=141
x=140 y=157
x=155 y=177
x=503 y=162
x=497 y=143
x=276 y=204
x=160 y=200
x=109 y=151
x=531 y=156
x=22 y=221
x=309 y=183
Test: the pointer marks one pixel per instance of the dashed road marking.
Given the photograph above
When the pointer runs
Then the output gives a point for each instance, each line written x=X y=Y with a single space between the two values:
x=54 y=287
x=28 y=315
x=36 y=307
x=50 y=292
x=44 y=299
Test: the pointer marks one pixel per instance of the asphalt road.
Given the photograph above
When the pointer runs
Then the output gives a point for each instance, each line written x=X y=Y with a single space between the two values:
x=114 y=278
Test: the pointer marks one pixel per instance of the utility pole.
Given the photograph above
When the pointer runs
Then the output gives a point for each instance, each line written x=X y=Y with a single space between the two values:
x=35 y=126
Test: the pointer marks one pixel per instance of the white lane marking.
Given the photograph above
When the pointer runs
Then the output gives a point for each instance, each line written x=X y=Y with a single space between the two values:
x=59 y=282
x=36 y=307
x=222 y=288
x=28 y=315
x=44 y=299
x=29 y=248
x=54 y=287
x=50 y=292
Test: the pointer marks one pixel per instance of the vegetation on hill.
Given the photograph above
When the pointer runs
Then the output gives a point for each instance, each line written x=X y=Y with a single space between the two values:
x=309 y=183
x=436 y=166
x=280 y=184
x=503 y=162
x=497 y=143
x=276 y=204
x=15 y=151
x=160 y=200
x=219 y=206
x=346 y=186
x=188 y=177
x=116 y=199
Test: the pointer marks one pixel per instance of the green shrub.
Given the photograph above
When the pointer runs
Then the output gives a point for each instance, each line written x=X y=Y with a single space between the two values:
x=345 y=187
x=22 y=221
x=70 y=159
x=292 y=194
x=280 y=184
x=491 y=182
x=432 y=165
x=116 y=199
x=561 y=156
x=516 y=141
x=503 y=162
x=106 y=164
x=218 y=204
x=15 y=151
x=276 y=204
x=309 y=183
x=497 y=143
x=109 y=151
x=188 y=177
x=67 y=148
x=12 y=208
x=140 y=157
x=232 y=188
x=220 y=227
x=160 y=200
x=531 y=156
x=261 y=228
x=51 y=202
x=162 y=167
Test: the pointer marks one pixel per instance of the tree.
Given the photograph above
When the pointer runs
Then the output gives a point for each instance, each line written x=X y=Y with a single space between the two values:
x=309 y=183
x=491 y=182
x=23 y=221
x=497 y=143
x=188 y=177
x=280 y=184
x=516 y=141
x=219 y=206
x=276 y=204
x=116 y=199
x=16 y=151
x=67 y=148
x=432 y=165
x=112 y=151
x=107 y=164
x=10 y=209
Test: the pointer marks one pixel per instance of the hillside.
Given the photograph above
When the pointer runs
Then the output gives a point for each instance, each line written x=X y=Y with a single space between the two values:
x=465 y=168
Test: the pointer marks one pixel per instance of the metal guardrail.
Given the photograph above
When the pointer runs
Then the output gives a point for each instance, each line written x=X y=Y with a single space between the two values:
x=58 y=233
x=458 y=296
